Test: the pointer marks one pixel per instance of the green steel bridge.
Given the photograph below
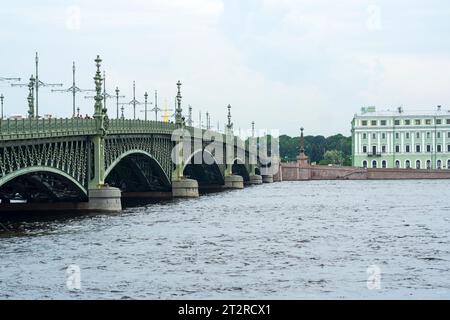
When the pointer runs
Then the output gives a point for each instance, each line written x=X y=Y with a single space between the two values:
x=88 y=164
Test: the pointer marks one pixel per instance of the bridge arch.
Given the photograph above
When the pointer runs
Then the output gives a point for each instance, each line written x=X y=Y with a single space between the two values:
x=239 y=168
x=205 y=174
x=136 y=171
x=42 y=183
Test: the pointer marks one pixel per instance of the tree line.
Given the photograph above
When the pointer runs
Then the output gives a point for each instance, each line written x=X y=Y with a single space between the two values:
x=336 y=149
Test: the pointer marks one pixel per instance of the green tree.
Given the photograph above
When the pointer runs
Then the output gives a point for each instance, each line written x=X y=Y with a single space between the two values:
x=316 y=147
x=334 y=156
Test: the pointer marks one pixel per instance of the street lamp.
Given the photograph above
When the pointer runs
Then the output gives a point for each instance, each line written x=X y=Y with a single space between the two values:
x=1 y=101
x=156 y=109
x=134 y=102
x=189 y=119
x=37 y=83
x=117 y=102
x=74 y=89
x=145 y=106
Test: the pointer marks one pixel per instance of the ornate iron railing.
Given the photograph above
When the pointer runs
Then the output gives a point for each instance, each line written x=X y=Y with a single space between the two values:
x=22 y=129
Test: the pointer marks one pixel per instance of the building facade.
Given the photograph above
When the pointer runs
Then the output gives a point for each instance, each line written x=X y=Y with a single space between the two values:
x=401 y=139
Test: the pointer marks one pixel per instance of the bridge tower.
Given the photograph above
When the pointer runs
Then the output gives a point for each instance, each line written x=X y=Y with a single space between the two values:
x=181 y=186
x=231 y=181
x=101 y=196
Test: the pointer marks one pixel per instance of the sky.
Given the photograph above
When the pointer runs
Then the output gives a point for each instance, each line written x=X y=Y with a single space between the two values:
x=284 y=64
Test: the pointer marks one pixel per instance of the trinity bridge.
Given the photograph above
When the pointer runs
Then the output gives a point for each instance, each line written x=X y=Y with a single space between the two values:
x=90 y=164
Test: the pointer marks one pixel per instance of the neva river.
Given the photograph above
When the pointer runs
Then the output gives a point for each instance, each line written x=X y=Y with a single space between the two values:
x=299 y=240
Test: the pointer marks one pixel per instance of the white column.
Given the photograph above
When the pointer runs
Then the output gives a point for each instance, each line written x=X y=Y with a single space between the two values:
x=444 y=145
x=360 y=142
x=393 y=143
x=423 y=143
x=433 y=141
x=402 y=140
x=379 y=142
x=388 y=139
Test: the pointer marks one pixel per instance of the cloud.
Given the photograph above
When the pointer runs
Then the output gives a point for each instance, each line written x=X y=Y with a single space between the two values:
x=281 y=63
x=415 y=81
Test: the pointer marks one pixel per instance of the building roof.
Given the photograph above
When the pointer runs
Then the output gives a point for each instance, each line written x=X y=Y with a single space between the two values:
x=371 y=112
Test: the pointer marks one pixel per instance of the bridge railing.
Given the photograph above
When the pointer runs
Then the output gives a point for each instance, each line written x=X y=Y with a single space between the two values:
x=127 y=126
x=19 y=129
x=22 y=129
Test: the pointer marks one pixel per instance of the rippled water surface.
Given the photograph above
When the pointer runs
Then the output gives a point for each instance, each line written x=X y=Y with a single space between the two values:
x=280 y=241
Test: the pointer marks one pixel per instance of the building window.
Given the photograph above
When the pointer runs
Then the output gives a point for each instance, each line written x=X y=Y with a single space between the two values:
x=397 y=164
x=364 y=149
x=383 y=122
x=408 y=164
x=373 y=122
x=397 y=122
x=407 y=135
x=374 y=136
x=418 y=135
x=374 y=164
x=428 y=147
x=438 y=121
x=383 y=149
x=438 y=135
x=428 y=122
x=417 y=122
x=448 y=135
x=364 y=164
x=448 y=164
x=418 y=148
x=397 y=148
x=448 y=148
x=428 y=135
x=407 y=148
x=364 y=136
x=383 y=136
x=448 y=121
x=383 y=164
x=364 y=123
x=428 y=164
x=374 y=150
x=439 y=148
x=418 y=164
x=407 y=122
x=397 y=135
x=439 y=165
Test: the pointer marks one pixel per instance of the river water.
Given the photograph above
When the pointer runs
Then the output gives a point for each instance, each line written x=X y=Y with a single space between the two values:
x=290 y=240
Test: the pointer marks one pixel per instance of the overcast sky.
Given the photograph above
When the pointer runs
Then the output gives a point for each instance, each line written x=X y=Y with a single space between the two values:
x=282 y=63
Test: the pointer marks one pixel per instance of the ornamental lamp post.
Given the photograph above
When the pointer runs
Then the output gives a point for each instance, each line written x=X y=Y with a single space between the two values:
x=37 y=83
x=31 y=110
x=73 y=89
x=179 y=111
x=117 y=102
x=146 y=111
x=156 y=109
x=1 y=101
